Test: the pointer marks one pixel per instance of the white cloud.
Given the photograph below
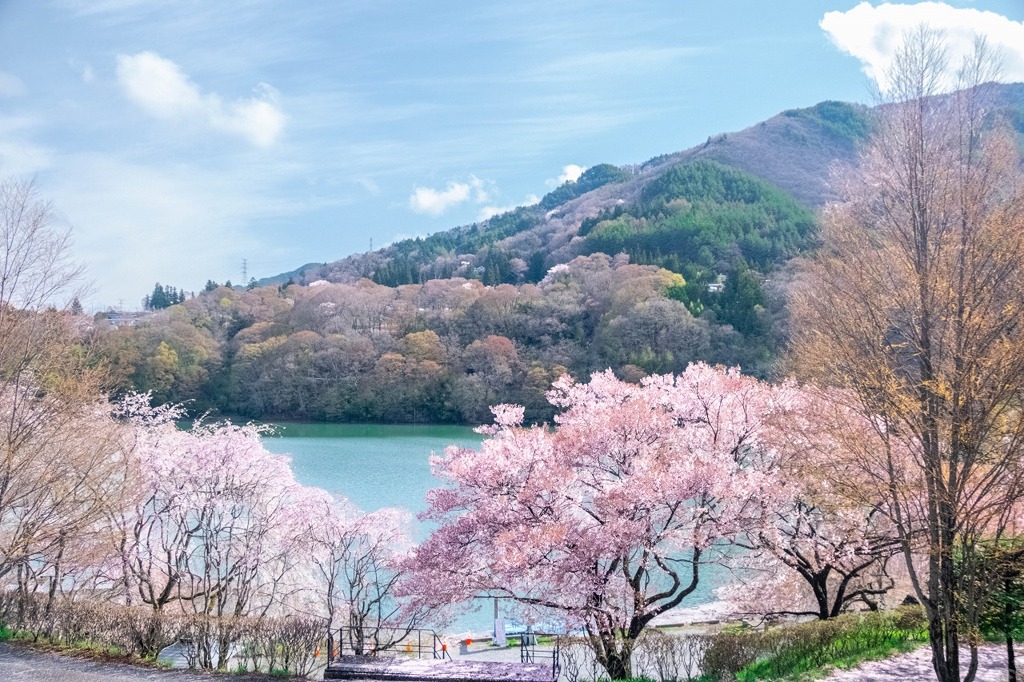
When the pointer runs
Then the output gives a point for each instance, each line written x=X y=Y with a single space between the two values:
x=11 y=85
x=872 y=34
x=571 y=173
x=84 y=69
x=159 y=87
x=436 y=201
x=481 y=193
x=480 y=190
x=491 y=211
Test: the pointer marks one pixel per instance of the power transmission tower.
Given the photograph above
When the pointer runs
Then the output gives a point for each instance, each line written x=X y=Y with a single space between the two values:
x=245 y=271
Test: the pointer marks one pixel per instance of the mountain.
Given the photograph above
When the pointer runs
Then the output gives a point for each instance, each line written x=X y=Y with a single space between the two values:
x=640 y=269
x=794 y=151
x=291 y=276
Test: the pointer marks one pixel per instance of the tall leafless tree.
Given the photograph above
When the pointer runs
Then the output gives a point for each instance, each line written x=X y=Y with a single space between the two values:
x=916 y=306
x=56 y=437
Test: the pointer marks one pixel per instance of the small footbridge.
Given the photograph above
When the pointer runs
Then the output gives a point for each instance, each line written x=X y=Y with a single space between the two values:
x=422 y=656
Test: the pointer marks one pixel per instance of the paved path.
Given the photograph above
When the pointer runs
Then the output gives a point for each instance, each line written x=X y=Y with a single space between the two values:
x=21 y=664
x=917 y=667
x=429 y=670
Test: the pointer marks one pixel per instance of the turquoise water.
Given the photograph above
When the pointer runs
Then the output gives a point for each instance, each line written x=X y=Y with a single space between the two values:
x=376 y=466
x=372 y=465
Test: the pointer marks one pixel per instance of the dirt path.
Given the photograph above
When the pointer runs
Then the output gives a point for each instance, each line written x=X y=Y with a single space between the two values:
x=917 y=667
x=21 y=664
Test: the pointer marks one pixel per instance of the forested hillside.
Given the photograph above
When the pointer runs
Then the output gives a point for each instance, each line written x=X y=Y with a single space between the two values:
x=639 y=269
x=440 y=351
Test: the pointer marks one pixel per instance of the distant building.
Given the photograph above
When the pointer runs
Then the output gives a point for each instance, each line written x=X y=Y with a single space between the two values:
x=122 y=319
x=717 y=286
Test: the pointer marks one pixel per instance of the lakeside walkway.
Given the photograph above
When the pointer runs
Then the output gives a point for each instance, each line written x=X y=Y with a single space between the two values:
x=21 y=664
x=916 y=666
x=429 y=670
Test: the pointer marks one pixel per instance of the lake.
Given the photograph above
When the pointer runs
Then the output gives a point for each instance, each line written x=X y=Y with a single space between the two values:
x=373 y=465
x=376 y=465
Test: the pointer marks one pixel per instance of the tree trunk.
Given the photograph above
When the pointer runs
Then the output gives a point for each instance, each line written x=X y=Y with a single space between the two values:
x=1011 y=661
x=619 y=665
x=945 y=660
x=55 y=581
x=614 y=654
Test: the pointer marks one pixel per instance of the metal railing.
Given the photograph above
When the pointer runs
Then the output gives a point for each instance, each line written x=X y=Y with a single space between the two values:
x=530 y=653
x=384 y=641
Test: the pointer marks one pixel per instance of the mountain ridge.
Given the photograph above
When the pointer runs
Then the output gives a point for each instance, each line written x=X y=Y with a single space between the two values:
x=795 y=150
x=788 y=129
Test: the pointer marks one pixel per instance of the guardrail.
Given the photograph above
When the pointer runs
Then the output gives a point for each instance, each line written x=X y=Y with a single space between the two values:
x=386 y=641
x=529 y=651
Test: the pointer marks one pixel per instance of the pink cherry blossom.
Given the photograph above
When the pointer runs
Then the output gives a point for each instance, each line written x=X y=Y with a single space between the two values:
x=609 y=518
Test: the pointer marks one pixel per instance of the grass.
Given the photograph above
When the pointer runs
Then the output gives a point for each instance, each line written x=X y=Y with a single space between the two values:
x=83 y=648
x=807 y=669
x=808 y=651
x=541 y=640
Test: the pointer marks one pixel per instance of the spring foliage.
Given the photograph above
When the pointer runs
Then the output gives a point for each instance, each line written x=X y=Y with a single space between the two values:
x=610 y=518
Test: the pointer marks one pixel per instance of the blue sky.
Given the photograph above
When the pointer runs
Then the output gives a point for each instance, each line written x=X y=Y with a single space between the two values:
x=178 y=137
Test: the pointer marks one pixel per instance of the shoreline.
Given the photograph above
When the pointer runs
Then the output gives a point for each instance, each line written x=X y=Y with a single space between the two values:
x=704 y=615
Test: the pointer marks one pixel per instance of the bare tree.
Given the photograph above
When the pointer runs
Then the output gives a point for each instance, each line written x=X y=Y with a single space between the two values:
x=914 y=305
x=55 y=433
x=36 y=272
x=357 y=562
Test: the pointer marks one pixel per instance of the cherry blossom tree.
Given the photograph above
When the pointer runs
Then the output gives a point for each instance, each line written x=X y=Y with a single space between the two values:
x=210 y=524
x=356 y=561
x=609 y=518
x=819 y=551
x=814 y=559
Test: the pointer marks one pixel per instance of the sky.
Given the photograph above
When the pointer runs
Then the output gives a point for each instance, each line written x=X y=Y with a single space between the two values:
x=176 y=138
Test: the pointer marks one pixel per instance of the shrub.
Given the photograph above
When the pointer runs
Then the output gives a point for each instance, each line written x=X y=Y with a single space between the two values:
x=578 y=662
x=291 y=645
x=670 y=657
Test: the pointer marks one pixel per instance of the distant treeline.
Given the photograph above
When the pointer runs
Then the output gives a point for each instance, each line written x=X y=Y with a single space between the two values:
x=438 y=352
